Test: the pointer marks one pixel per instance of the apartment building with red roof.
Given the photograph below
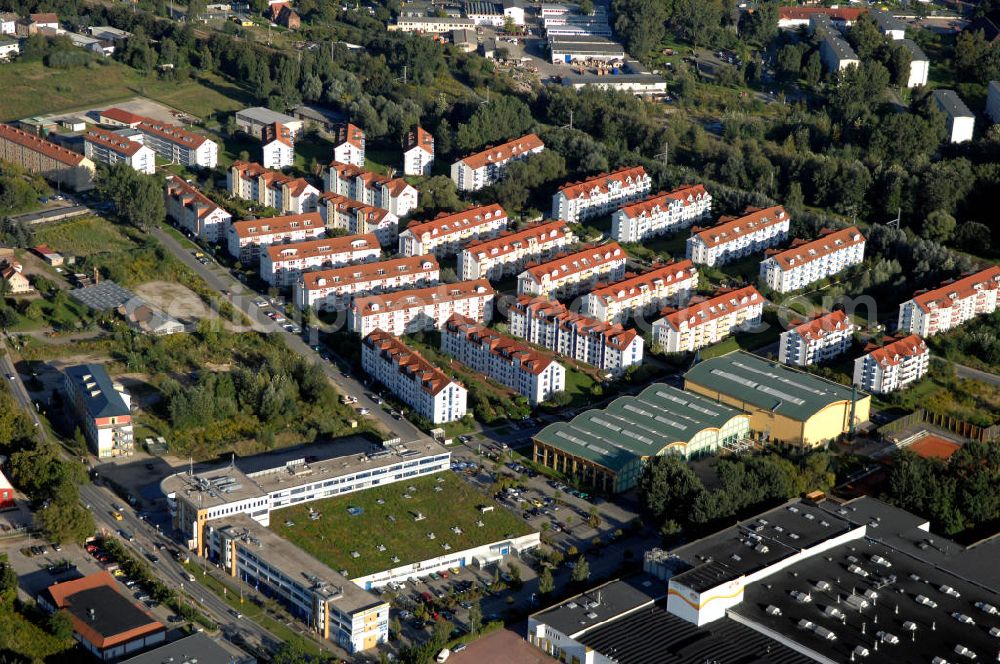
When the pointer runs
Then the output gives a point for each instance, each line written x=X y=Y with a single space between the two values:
x=447 y=233
x=511 y=362
x=818 y=340
x=343 y=213
x=349 y=145
x=573 y=273
x=578 y=201
x=393 y=194
x=194 y=212
x=105 y=147
x=277 y=146
x=336 y=288
x=796 y=17
x=953 y=303
x=407 y=311
x=548 y=323
x=245 y=238
x=170 y=142
x=418 y=383
x=508 y=253
x=119 y=117
x=643 y=293
x=418 y=152
x=703 y=322
x=483 y=168
x=661 y=213
x=894 y=366
x=53 y=162
x=734 y=238
x=806 y=262
x=6 y=494
x=282 y=264
x=253 y=182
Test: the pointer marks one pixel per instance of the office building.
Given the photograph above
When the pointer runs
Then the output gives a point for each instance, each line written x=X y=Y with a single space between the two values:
x=483 y=168
x=959 y=120
x=805 y=263
x=508 y=361
x=413 y=310
x=336 y=288
x=245 y=238
x=104 y=147
x=448 y=233
x=103 y=409
x=704 y=322
x=549 y=324
x=953 y=303
x=734 y=238
x=601 y=194
x=281 y=265
x=662 y=213
x=785 y=405
x=573 y=273
x=509 y=253
x=419 y=384
x=884 y=369
x=418 y=152
x=817 y=341
x=645 y=293
x=36 y=155
x=393 y=194
x=271 y=188
x=194 y=212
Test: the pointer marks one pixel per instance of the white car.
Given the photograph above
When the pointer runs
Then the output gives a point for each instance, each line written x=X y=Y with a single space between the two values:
x=363 y=411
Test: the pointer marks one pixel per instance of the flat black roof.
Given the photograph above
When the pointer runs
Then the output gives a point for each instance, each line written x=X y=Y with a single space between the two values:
x=654 y=636
x=194 y=648
x=598 y=605
x=309 y=452
x=113 y=613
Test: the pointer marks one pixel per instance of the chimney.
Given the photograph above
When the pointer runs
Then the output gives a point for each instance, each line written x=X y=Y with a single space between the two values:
x=91 y=615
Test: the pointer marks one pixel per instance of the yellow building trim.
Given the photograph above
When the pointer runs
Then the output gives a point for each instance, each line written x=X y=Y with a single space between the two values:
x=699 y=607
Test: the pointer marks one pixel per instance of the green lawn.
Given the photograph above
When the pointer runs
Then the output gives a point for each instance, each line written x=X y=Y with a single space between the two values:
x=578 y=384
x=336 y=534
x=83 y=236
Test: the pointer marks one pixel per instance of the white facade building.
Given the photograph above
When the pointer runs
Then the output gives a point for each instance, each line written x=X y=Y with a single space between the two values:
x=357 y=218
x=600 y=194
x=509 y=253
x=819 y=340
x=709 y=321
x=253 y=121
x=952 y=304
x=642 y=294
x=277 y=147
x=418 y=153
x=959 y=119
x=103 y=409
x=105 y=147
x=416 y=382
x=888 y=25
x=808 y=262
x=506 y=360
x=734 y=238
x=393 y=194
x=407 y=311
x=245 y=238
x=920 y=64
x=893 y=366
x=336 y=288
x=448 y=233
x=836 y=53
x=178 y=145
x=482 y=169
x=573 y=273
x=195 y=212
x=287 y=195
x=282 y=264
x=349 y=146
x=662 y=213
x=8 y=23
x=9 y=48
x=549 y=324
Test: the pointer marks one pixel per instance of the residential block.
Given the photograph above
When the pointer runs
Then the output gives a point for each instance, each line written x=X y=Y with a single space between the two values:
x=508 y=253
x=482 y=169
x=734 y=238
x=662 y=213
x=105 y=147
x=601 y=194
x=953 y=303
x=893 y=366
x=573 y=273
x=245 y=238
x=448 y=233
x=407 y=311
x=194 y=212
x=819 y=340
x=705 y=322
x=282 y=264
x=336 y=288
x=807 y=262
x=643 y=293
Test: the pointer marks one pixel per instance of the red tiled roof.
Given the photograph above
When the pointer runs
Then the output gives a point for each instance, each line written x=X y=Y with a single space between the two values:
x=805 y=13
x=614 y=334
x=732 y=228
x=602 y=182
x=369 y=178
x=188 y=194
x=579 y=261
x=897 y=351
x=276 y=132
x=420 y=138
x=275 y=225
x=678 y=271
x=247 y=170
x=686 y=195
x=828 y=242
x=323 y=246
x=40 y=145
x=402 y=300
x=432 y=380
x=371 y=213
x=445 y=224
x=527 y=357
x=819 y=327
x=717 y=306
x=504 y=243
x=172 y=133
x=364 y=272
x=945 y=295
x=122 y=116
x=502 y=153
x=45 y=18
x=112 y=141
x=352 y=134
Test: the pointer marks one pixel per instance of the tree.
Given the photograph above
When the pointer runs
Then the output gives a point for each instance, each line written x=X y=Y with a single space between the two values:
x=499 y=120
x=971 y=236
x=475 y=617
x=546 y=584
x=64 y=519
x=640 y=24
x=938 y=226
x=790 y=60
x=581 y=570
x=60 y=625
x=137 y=197
x=760 y=25
x=439 y=194
x=593 y=518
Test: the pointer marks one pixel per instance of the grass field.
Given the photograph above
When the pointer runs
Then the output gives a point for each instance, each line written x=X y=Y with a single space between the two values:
x=84 y=236
x=336 y=534
x=30 y=88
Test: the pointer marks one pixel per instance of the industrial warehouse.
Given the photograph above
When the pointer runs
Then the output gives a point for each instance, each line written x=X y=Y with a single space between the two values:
x=607 y=447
